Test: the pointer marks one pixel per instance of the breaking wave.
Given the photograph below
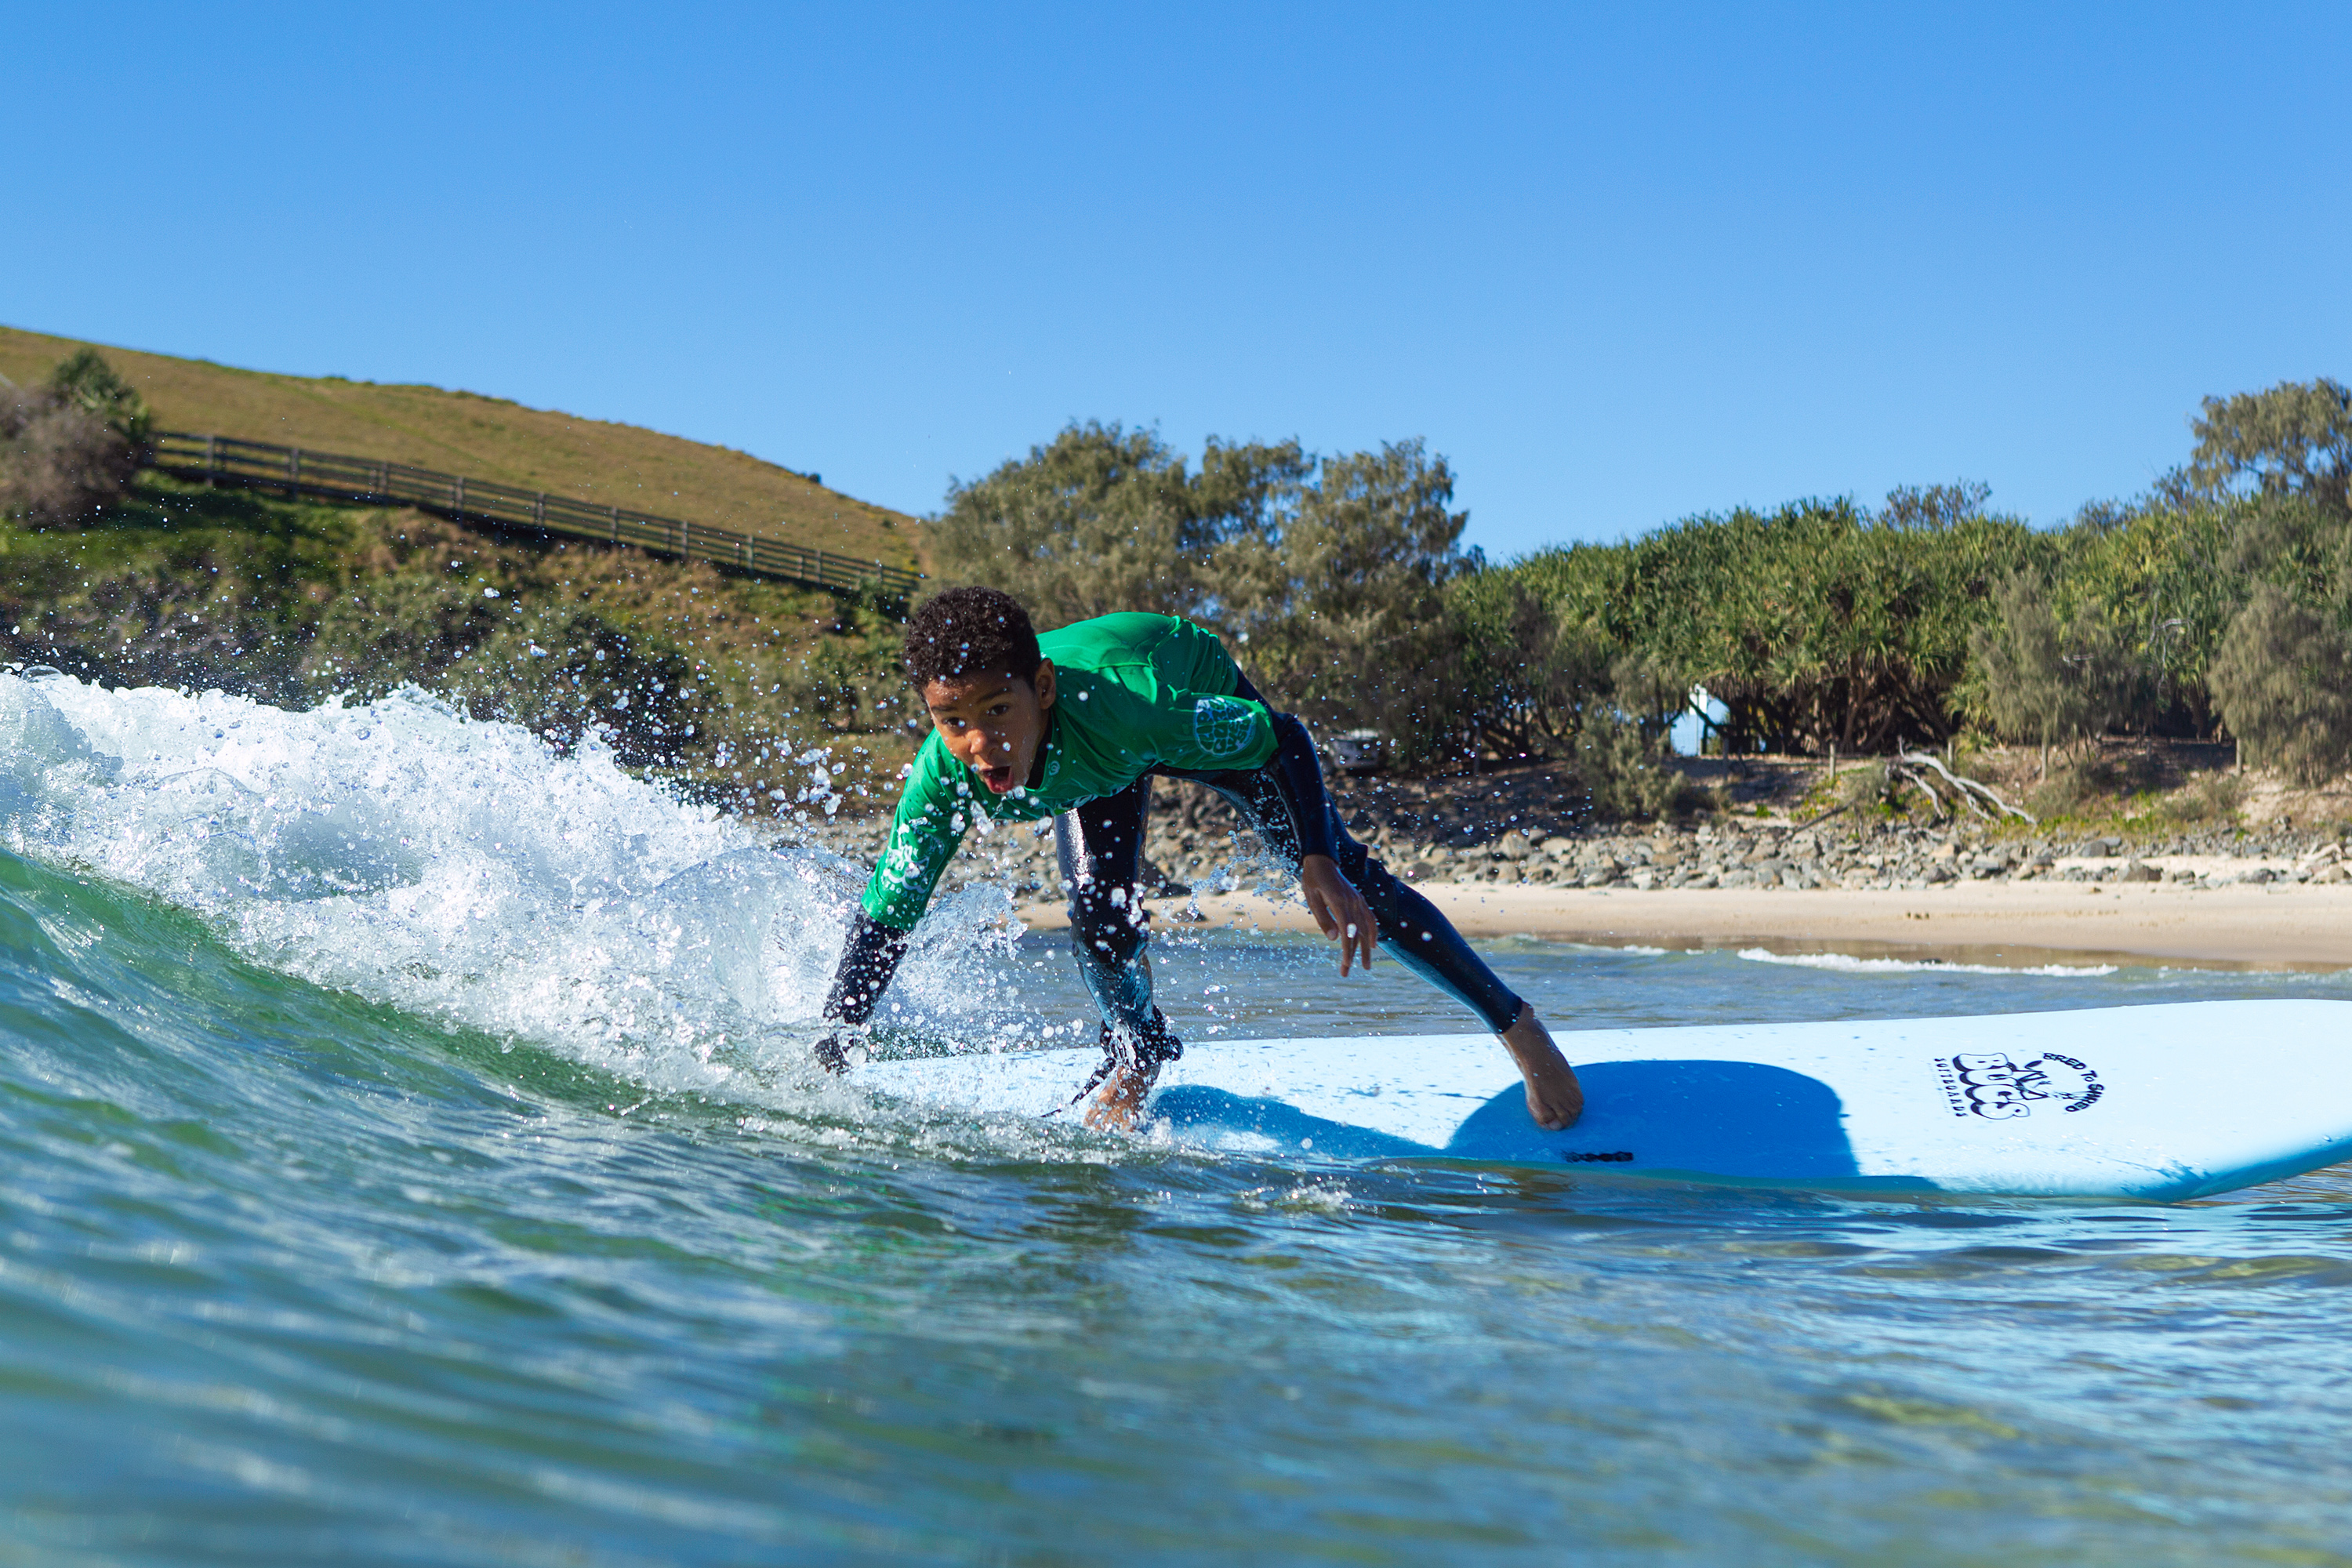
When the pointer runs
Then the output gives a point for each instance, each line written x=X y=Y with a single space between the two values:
x=469 y=872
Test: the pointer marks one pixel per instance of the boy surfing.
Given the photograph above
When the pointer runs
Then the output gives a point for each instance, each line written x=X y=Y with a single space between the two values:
x=1073 y=726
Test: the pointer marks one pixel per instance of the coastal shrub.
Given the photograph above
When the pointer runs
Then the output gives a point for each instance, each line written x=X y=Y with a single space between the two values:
x=2062 y=794
x=1525 y=679
x=2157 y=583
x=1865 y=788
x=71 y=446
x=1625 y=775
x=1343 y=585
x=2041 y=681
x=1100 y=518
x=59 y=462
x=2213 y=797
x=2093 y=775
x=2283 y=681
x=1823 y=623
x=87 y=381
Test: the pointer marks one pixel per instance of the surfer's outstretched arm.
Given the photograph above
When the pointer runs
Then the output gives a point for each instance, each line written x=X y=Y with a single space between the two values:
x=1286 y=800
x=867 y=961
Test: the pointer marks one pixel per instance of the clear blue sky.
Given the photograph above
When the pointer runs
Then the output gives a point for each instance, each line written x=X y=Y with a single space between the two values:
x=1620 y=264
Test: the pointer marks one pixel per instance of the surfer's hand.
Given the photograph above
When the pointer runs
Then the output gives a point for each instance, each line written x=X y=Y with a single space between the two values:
x=1554 y=1096
x=1119 y=1101
x=832 y=1054
x=1338 y=909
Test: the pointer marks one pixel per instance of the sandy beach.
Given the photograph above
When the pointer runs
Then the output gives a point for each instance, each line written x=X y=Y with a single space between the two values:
x=2281 y=926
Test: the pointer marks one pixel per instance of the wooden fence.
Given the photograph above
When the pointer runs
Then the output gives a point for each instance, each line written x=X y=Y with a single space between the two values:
x=337 y=476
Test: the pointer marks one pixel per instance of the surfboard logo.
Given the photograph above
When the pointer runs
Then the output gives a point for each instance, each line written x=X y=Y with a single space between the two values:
x=1987 y=1084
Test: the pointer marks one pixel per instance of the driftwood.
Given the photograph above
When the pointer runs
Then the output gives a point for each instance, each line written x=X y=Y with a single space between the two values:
x=1927 y=772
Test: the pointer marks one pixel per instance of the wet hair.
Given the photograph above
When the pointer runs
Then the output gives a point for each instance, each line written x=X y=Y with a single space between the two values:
x=970 y=632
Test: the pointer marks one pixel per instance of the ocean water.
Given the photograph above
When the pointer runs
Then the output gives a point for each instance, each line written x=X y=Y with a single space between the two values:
x=408 y=1153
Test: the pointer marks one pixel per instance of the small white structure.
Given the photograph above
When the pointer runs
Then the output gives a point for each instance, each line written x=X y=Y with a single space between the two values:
x=1702 y=713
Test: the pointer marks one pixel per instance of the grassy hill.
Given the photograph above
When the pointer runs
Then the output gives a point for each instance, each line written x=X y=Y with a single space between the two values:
x=491 y=438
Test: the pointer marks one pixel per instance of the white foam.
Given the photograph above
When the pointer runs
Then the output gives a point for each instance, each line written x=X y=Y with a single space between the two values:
x=466 y=871
x=1845 y=963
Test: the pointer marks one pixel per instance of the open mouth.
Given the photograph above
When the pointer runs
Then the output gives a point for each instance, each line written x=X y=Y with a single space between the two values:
x=998 y=780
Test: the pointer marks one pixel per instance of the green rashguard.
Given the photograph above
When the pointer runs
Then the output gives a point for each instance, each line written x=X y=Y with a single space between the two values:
x=1135 y=691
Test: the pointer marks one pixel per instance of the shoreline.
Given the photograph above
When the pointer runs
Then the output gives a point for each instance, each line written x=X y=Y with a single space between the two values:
x=2284 y=927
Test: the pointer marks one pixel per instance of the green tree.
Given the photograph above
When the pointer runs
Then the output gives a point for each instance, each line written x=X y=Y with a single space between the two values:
x=1529 y=676
x=2043 y=682
x=1327 y=575
x=1336 y=599
x=2297 y=542
x=2283 y=679
x=2293 y=439
x=2159 y=580
x=1103 y=519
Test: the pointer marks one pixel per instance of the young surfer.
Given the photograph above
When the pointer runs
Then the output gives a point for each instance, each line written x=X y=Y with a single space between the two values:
x=1073 y=725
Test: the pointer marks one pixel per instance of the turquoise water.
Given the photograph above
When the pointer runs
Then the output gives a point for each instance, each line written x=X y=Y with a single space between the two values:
x=407 y=1155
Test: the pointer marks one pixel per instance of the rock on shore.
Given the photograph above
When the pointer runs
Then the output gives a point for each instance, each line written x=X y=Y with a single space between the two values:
x=1198 y=848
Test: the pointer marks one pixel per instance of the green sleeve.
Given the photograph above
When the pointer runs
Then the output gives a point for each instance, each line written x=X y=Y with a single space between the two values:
x=934 y=809
x=1205 y=726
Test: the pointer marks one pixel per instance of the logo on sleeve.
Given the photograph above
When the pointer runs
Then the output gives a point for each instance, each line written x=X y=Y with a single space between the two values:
x=1224 y=726
x=1989 y=1085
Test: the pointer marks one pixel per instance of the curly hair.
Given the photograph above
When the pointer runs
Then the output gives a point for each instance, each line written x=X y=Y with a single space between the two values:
x=968 y=632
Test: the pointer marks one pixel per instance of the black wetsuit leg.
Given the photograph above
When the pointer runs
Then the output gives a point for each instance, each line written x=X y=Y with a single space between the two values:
x=1099 y=845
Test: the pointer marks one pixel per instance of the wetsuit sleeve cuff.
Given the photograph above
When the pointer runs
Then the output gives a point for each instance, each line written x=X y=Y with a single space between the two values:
x=867 y=961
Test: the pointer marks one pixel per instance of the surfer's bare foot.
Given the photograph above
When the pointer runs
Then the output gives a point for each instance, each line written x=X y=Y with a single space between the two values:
x=1554 y=1098
x=1121 y=1099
